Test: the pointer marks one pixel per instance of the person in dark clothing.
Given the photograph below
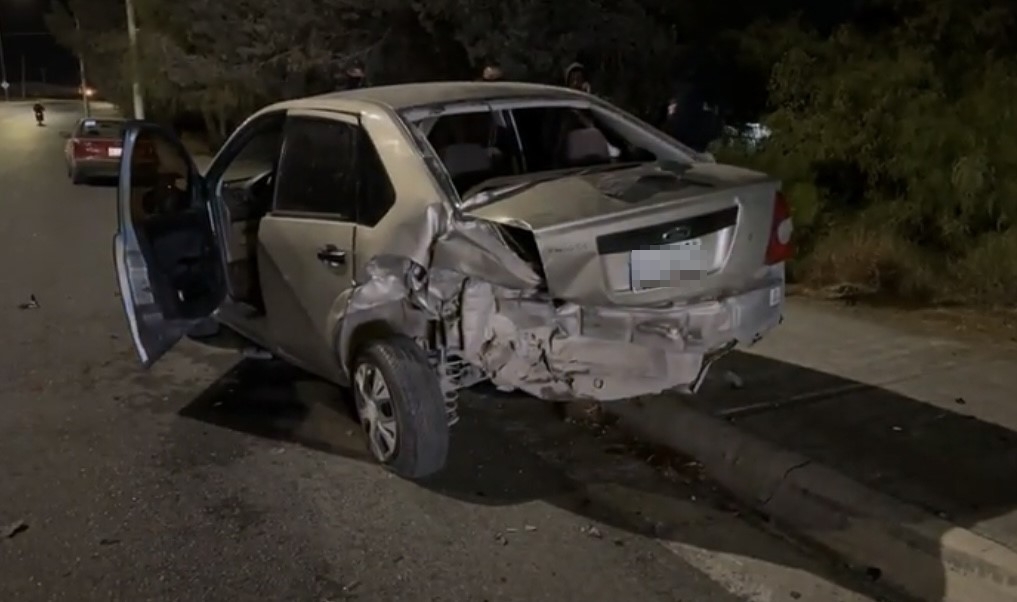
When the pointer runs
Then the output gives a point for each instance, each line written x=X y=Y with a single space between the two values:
x=39 y=110
x=577 y=78
x=355 y=77
x=689 y=123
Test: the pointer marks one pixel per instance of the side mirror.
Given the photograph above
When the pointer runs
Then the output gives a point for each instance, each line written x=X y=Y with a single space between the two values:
x=65 y=135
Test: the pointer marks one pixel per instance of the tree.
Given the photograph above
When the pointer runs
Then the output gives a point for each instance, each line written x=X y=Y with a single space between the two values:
x=228 y=59
x=96 y=31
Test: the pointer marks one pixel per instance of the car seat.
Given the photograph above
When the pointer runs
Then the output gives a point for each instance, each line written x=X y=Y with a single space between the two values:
x=586 y=146
x=467 y=164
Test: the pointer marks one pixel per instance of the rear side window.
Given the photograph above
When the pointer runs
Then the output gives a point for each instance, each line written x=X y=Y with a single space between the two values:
x=317 y=173
x=332 y=168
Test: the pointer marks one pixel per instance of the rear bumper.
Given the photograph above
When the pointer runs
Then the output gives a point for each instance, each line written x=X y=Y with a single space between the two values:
x=96 y=168
x=612 y=353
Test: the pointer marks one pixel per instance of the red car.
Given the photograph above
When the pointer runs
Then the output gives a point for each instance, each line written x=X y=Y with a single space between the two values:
x=93 y=149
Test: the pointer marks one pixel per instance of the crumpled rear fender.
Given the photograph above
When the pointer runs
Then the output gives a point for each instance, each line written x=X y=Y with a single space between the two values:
x=402 y=292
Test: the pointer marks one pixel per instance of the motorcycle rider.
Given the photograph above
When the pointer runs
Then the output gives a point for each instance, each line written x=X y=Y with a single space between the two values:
x=40 y=112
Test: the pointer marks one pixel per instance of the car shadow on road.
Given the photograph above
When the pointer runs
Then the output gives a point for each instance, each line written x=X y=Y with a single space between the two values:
x=511 y=449
x=98 y=182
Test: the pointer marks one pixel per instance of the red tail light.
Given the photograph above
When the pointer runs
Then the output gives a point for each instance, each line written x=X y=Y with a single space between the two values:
x=780 y=247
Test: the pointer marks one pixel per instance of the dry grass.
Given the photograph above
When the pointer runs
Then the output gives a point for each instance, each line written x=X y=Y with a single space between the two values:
x=975 y=295
x=872 y=263
x=987 y=275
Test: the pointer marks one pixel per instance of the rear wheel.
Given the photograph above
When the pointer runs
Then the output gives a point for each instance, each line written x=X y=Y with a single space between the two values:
x=76 y=177
x=401 y=407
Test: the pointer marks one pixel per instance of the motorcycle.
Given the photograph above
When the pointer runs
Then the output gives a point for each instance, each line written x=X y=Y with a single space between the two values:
x=38 y=118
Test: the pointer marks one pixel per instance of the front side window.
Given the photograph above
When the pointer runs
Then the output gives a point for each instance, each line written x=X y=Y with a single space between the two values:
x=258 y=155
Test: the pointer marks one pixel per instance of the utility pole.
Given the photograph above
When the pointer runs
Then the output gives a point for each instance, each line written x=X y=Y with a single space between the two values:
x=24 y=95
x=6 y=85
x=81 y=70
x=132 y=36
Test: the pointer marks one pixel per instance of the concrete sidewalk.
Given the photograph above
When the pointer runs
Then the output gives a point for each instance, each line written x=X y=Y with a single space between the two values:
x=895 y=449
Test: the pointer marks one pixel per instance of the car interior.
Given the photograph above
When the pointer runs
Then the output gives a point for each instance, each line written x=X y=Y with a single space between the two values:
x=248 y=185
x=247 y=201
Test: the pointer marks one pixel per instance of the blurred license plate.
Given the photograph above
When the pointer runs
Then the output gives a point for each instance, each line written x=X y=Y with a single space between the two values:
x=114 y=152
x=666 y=265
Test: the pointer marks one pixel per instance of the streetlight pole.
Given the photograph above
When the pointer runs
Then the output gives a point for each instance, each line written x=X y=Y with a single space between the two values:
x=81 y=70
x=132 y=36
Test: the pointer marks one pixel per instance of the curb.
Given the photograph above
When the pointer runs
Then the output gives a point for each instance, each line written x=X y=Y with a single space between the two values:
x=909 y=548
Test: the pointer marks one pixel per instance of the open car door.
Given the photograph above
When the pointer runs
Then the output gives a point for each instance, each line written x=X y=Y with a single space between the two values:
x=168 y=257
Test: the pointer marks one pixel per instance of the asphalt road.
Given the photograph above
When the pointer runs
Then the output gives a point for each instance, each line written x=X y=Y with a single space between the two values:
x=204 y=479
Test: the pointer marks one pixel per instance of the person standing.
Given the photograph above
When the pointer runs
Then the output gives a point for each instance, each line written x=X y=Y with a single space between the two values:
x=577 y=78
x=355 y=77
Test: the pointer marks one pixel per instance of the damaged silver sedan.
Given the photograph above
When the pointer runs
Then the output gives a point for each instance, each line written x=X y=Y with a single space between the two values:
x=411 y=241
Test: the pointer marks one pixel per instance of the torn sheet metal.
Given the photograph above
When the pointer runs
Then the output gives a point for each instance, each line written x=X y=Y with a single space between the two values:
x=422 y=270
x=476 y=248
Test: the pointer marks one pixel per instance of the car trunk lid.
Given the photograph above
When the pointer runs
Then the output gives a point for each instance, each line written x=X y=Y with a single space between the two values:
x=644 y=235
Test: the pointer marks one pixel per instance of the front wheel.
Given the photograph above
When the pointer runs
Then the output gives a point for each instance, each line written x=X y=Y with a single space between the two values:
x=401 y=407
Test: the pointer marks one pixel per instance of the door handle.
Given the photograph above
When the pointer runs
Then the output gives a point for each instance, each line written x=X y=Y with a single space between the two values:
x=332 y=255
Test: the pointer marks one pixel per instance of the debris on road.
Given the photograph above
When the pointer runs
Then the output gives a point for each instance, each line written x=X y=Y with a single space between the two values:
x=108 y=541
x=592 y=532
x=32 y=303
x=13 y=529
x=501 y=539
x=960 y=401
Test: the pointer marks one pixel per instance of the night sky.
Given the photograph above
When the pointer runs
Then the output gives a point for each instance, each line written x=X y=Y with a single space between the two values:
x=43 y=57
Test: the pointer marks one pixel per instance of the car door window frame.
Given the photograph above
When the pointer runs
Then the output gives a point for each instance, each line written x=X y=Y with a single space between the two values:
x=349 y=119
x=236 y=144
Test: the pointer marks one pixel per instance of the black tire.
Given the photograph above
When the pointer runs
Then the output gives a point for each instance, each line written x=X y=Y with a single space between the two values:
x=422 y=430
x=77 y=178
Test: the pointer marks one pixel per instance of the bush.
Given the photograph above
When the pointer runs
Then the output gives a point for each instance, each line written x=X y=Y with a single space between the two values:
x=987 y=274
x=891 y=142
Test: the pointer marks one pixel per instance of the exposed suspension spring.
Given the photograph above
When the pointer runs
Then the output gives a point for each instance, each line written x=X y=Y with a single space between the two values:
x=451 y=369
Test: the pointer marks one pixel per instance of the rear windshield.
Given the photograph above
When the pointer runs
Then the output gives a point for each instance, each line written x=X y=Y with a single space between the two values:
x=100 y=128
x=500 y=140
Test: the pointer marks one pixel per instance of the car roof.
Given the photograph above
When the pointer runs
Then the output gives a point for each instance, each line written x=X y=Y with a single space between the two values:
x=405 y=96
x=102 y=119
